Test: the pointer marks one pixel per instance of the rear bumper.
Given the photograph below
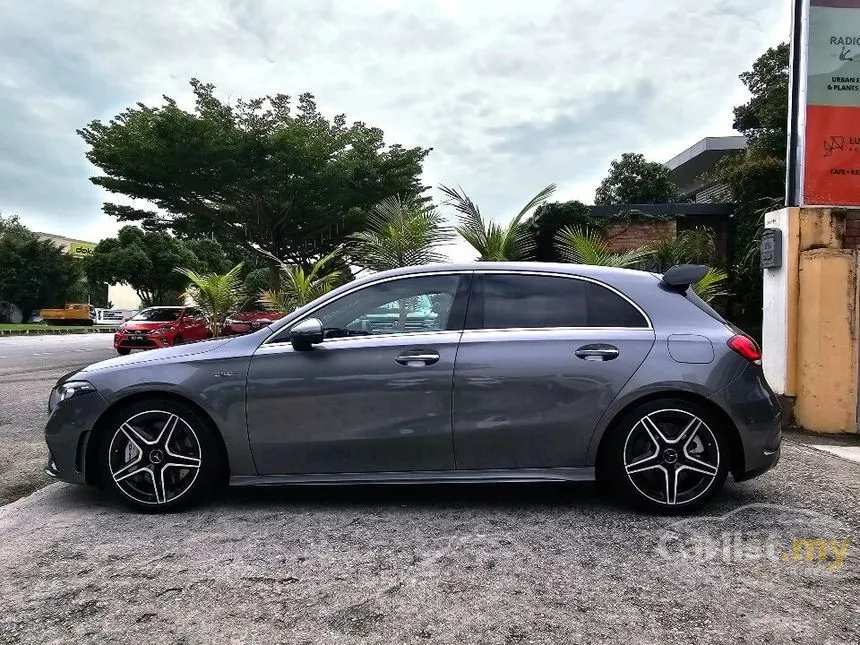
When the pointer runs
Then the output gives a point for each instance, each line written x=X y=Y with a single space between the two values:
x=757 y=415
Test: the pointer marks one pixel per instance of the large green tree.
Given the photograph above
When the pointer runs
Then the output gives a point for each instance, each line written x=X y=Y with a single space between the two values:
x=548 y=220
x=764 y=118
x=258 y=173
x=632 y=179
x=34 y=273
x=145 y=261
x=756 y=176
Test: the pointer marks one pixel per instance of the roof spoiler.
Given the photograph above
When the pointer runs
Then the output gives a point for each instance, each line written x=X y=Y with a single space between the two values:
x=681 y=276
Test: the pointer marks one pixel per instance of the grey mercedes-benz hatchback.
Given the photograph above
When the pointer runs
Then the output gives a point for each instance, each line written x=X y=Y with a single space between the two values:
x=482 y=372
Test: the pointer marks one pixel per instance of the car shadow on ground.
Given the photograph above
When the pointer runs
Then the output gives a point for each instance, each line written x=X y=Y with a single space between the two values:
x=584 y=498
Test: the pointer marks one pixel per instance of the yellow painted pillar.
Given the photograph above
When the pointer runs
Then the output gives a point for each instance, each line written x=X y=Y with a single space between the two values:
x=827 y=341
x=810 y=322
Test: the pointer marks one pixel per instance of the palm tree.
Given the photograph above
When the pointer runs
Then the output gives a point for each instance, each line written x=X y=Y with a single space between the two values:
x=696 y=246
x=216 y=295
x=399 y=233
x=492 y=241
x=712 y=285
x=299 y=287
x=587 y=246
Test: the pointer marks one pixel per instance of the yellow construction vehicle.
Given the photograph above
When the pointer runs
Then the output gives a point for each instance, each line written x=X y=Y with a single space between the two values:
x=71 y=314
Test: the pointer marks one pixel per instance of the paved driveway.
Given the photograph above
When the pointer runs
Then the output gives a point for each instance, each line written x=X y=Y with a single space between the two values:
x=533 y=564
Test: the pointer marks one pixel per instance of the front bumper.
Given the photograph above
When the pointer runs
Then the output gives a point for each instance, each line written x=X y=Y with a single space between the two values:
x=756 y=412
x=68 y=432
x=125 y=341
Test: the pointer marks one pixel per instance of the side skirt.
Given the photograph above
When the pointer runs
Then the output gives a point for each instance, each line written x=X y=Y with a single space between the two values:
x=521 y=475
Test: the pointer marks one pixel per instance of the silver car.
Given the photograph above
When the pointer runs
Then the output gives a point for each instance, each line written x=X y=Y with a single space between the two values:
x=489 y=372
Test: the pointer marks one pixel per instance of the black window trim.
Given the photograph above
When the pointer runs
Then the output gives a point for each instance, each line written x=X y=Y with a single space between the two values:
x=477 y=287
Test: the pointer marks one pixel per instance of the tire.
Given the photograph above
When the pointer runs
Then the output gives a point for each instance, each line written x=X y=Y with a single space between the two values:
x=160 y=456
x=667 y=456
x=177 y=341
x=123 y=352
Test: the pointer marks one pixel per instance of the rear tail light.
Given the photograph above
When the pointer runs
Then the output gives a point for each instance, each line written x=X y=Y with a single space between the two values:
x=746 y=347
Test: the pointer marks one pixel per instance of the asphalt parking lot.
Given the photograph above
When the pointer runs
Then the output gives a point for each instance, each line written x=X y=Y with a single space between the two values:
x=527 y=564
x=29 y=367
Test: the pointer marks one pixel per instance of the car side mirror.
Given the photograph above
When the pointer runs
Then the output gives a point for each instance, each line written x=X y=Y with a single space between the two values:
x=306 y=333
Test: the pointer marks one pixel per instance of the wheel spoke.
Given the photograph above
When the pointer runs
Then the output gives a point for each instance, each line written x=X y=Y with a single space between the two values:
x=646 y=463
x=125 y=472
x=697 y=465
x=135 y=437
x=169 y=427
x=158 y=485
x=181 y=461
x=671 y=485
x=689 y=432
x=653 y=431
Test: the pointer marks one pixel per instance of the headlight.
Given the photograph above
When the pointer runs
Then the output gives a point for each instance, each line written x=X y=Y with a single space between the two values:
x=162 y=330
x=68 y=390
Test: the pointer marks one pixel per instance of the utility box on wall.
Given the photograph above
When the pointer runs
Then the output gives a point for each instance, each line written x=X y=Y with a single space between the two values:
x=771 y=248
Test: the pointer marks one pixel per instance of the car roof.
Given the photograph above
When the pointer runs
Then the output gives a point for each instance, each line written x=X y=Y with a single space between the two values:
x=608 y=274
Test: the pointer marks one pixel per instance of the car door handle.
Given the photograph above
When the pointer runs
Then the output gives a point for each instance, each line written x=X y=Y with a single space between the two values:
x=417 y=358
x=598 y=352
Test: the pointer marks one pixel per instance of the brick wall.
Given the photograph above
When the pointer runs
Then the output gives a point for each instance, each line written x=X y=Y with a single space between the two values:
x=851 y=240
x=630 y=235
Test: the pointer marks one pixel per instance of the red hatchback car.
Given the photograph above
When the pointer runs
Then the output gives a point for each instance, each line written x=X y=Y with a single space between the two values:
x=160 y=327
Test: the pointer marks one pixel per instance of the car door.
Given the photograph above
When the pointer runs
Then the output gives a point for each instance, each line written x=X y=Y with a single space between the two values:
x=375 y=395
x=193 y=325
x=542 y=357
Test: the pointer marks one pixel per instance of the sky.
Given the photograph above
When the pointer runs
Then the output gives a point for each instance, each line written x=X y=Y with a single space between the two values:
x=511 y=94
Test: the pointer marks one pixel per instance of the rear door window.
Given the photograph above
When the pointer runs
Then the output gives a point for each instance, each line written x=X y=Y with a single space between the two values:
x=511 y=301
x=530 y=301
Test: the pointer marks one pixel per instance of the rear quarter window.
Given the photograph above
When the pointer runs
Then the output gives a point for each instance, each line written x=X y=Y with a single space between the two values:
x=607 y=309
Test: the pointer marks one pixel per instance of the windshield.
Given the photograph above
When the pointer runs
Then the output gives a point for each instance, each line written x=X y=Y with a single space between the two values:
x=158 y=314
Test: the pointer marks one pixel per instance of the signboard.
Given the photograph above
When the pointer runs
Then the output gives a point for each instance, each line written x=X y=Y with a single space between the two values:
x=825 y=157
x=81 y=249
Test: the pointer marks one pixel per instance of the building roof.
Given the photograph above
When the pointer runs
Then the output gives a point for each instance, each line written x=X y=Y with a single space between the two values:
x=687 y=168
x=60 y=239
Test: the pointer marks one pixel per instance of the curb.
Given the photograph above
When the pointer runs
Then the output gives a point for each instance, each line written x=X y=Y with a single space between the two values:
x=53 y=332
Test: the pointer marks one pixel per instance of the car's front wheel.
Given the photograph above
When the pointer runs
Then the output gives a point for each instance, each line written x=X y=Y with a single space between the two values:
x=668 y=455
x=160 y=456
x=123 y=351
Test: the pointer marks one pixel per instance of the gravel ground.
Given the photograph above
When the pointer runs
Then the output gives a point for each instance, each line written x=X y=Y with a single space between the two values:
x=528 y=564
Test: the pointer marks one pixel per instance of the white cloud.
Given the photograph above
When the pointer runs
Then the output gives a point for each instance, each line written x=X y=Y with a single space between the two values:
x=511 y=95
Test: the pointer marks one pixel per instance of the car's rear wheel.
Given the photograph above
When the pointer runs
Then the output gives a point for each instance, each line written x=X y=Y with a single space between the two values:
x=668 y=456
x=123 y=352
x=160 y=456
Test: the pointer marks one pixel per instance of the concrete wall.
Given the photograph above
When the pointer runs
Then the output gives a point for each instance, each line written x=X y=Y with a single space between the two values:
x=779 y=291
